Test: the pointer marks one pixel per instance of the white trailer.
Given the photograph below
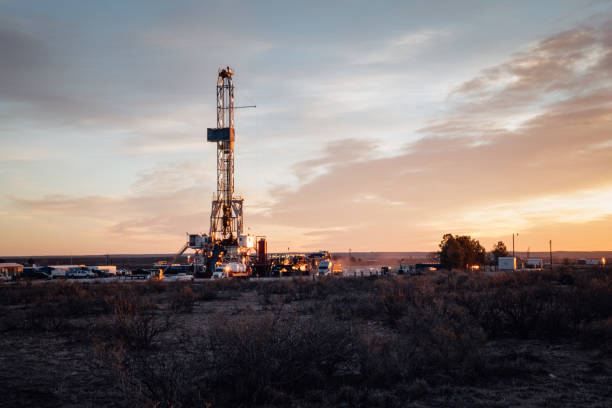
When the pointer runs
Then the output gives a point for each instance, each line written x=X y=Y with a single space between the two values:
x=506 y=263
x=110 y=269
x=61 y=271
x=534 y=264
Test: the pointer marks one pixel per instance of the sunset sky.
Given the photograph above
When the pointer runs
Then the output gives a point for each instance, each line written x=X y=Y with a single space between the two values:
x=379 y=126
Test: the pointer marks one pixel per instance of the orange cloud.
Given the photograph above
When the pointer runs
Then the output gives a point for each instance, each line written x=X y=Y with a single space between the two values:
x=548 y=177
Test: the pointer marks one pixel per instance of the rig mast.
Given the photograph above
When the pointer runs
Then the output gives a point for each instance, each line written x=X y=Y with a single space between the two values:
x=226 y=242
x=226 y=217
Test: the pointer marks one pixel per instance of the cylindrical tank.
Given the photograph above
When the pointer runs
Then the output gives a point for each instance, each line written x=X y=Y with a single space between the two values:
x=262 y=250
x=233 y=268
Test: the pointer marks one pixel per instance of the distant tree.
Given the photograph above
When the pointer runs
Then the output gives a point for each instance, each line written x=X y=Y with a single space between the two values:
x=460 y=251
x=499 y=250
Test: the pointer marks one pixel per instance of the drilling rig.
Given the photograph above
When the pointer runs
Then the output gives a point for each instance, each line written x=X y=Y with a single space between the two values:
x=226 y=241
x=226 y=219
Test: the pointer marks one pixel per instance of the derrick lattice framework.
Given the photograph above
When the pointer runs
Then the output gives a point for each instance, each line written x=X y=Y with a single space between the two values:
x=226 y=217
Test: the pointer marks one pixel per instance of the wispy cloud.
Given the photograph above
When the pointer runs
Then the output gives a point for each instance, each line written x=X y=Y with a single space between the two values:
x=486 y=176
x=398 y=48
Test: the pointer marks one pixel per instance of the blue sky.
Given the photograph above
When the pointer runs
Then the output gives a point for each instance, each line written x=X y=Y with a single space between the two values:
x=104 y=106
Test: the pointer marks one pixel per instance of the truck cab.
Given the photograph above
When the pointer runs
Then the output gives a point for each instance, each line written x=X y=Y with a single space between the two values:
x=325 y=268
x=219 y=272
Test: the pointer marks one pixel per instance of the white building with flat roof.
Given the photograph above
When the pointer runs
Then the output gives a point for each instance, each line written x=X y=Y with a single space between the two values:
x=10 y=269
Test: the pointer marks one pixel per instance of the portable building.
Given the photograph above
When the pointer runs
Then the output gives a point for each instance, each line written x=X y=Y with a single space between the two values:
x=110 y=269
x=506 y=263
x=534 y=263
x=10 y=270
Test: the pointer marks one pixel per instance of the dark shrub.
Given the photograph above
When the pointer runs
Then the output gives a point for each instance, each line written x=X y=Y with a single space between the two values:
x=255 y=354
x=136 y=322
x=182 y=299
x=205 y=292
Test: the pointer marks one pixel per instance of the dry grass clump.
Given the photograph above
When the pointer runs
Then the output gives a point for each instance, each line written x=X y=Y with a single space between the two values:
x=325 y=342
x=182 y=299
x=135 y=321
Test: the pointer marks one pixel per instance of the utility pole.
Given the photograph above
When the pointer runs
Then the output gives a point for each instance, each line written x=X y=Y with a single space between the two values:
x=513 y=243
x=550 y=249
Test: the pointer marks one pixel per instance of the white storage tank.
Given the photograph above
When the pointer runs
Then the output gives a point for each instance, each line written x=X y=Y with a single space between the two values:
x=233 y=268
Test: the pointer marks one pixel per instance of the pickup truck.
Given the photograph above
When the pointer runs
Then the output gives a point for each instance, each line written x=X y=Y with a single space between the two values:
x=79 y=273
x=329 y=268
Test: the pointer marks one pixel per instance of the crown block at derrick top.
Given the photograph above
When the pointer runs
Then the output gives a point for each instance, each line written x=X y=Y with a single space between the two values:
x=220 y=135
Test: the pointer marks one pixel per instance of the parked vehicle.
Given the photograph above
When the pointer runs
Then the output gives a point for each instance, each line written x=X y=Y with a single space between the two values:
x=106 y=270
x=219 y=272
x=46 y=269
x=80 y=273
x=62 y=271
x=329 y=268
x=32 y=273
x=176 y=269
x=181 y=277
x=142 y=273
x=325 y=268
x=152 y=274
